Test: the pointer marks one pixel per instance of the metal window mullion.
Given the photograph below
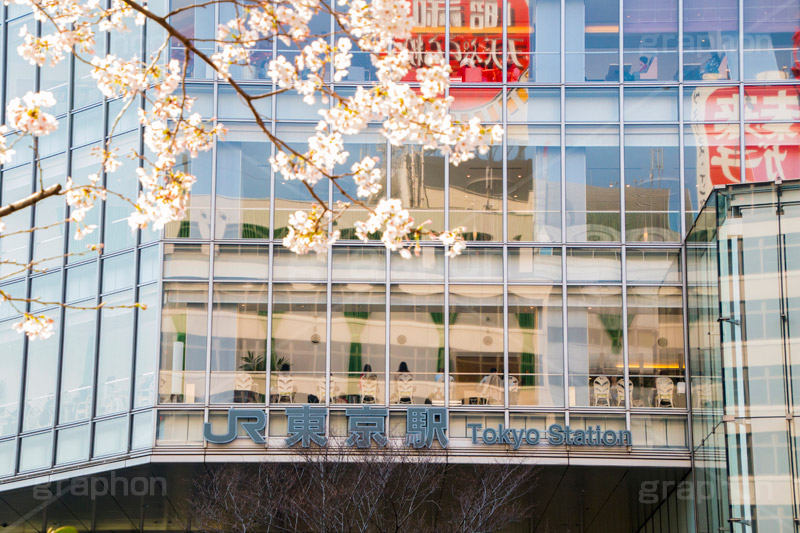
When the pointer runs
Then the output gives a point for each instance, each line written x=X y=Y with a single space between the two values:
x=742 y=159
x=625 y=353
x=741 y=46
x=623 y=238
x=328 y=328
x=563 y=247
x=506 y=392
x=620 y=43
x=446 y=314
x=562 y=49
x=387 y=256
x=680 y=41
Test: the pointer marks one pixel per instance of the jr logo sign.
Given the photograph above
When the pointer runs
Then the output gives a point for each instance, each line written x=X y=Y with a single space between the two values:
x=253 y=422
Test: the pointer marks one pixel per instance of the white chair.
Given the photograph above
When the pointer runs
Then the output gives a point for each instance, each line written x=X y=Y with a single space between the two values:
x=602 y=391
x=664 y=389
x=702 y=393
x=620 y=388
x=405 y=388
x=285 y=388
x=321 y=389
x=369 y=388
x=438 y=394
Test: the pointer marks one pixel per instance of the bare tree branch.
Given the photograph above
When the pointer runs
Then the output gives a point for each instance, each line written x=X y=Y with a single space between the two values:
x=30 y=200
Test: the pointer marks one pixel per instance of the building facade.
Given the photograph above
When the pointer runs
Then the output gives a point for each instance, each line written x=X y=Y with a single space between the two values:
x=631 y=243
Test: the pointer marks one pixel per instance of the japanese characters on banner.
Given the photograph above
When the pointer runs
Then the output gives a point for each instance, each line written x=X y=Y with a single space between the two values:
x=772 y=135
x=475 y=49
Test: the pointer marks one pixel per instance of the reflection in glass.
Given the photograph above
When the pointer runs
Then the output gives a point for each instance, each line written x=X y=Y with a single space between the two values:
x=197 y=222
x=243 y=193
x=595 y=339
x=237 y=261
x=534 y=37
x=428 y=265
x=146 y=347
x=710 y=40
x=476 y=40
x=11 y=380
x=653 y=266
x=185 y=261
x=418 y=181
x=78 y=364
x=359 y=263
x=297 y=361
x=592 y=40
x=184 y=326
x=650 y=42
x=593 y=181
x=650 y=104
x=534 y=183
x=477 y=264
x=535 y=346
x=36 y=452
x=711 y=157
x=655 y=347
x=239 y=343
x=476 y=196
x=652 y=184
x=534 y=264
x=115 y=355
x=40 y=382
x=358 y=344
x=417 y=344
x=769 y=26
x=476 y=344
x=533 y=105
x=368 y=143
x=601 y=265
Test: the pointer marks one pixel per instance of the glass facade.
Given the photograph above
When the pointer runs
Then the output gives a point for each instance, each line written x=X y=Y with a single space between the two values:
x=579 y=300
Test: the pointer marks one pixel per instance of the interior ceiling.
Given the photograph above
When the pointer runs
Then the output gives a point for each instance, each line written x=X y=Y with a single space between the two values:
x=583 y=499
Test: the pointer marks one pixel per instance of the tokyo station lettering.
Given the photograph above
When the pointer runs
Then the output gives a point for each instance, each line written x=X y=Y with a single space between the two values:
x=424 y=425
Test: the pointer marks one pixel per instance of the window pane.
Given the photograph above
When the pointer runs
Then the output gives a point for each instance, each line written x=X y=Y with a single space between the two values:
x=298 y=341
x=534 y=183
x=711 y=158
x=233 y=261
x=476 y=196
x=11 y=348
x=477 y=264
x=287 y=265
x=654 y=266
x=418 y=181
x=368 y=143
x=534 y=264
x=535 y=346
x=428 y=265
x=197 y=222
x=592 y=40
x=476 y=344
x=40 y=382
x=184 y=326
x=111 y=436
x=116 y=353
x=80 y=327
x=239 y=343
x=655 y=346
x=358 y=344
x=593 y=181
x=36 y=452
x=417 y=343
x=533 y=105
x=118 y=272
x=73 y=444
x=768 y=29
x=475 y=27
x=117 y=234
x=595 y=339
x=592 y=105
x=534 y=37
x=185 y=261
x=710 y=40
x=359 y=263
x=142 y=430
x=652 y=184
x=657 y=104
x=650 y=40
x=594 y=264
x=243 y=194
x=146 y=347
x=175 y=428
